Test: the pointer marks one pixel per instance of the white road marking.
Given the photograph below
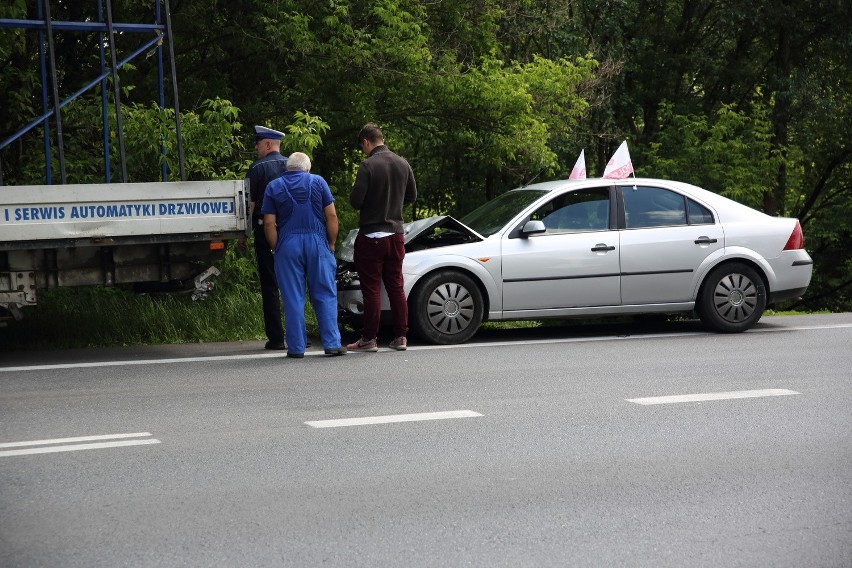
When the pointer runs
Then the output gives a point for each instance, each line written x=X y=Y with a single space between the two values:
x=534 y=342
x=76 y=439
x=76 y=447
x=393 y=418
x=143 y=362
x=711 y=396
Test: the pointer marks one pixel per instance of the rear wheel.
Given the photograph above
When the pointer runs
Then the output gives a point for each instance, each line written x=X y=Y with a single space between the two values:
x=732 y=298
x=446 y=308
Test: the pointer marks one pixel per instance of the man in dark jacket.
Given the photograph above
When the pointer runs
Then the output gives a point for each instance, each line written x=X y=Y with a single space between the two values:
x=383 y=185
x=270 y=165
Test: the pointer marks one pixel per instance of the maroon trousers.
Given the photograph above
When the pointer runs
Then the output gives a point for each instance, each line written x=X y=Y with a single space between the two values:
x=380 y=261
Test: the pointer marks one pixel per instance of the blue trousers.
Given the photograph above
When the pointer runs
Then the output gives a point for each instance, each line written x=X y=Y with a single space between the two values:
x=300 y=257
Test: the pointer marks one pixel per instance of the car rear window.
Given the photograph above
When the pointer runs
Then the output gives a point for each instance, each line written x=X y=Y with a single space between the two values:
x=698 y=214
x=652 y=207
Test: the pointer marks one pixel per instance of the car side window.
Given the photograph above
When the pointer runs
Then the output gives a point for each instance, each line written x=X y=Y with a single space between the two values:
x=698 y=214
x=582 y=210
x=652 y=207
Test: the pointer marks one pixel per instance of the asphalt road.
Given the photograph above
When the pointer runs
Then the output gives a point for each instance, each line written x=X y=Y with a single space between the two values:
x=551 y=447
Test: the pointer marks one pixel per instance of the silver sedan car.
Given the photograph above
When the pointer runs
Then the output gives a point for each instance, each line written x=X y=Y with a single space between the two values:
x=591 y=248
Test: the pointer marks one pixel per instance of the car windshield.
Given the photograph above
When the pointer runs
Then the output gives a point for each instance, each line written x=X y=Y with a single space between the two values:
x=493 y=216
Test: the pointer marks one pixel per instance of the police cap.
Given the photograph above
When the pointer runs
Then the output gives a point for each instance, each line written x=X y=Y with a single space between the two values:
x=261 y=132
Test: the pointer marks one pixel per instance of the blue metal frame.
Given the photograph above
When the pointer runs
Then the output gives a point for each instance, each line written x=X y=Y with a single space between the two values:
x=44 y=26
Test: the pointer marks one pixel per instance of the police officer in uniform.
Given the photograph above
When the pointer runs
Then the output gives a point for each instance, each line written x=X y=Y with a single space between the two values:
x=270 y=165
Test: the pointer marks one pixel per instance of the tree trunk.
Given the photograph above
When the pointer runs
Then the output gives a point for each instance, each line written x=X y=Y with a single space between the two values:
x=774 y=199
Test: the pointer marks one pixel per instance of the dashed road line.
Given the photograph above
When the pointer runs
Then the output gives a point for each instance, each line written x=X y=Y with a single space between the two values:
x=701 y=397
x=76 y=439
x=64 y=444
x=392 y=418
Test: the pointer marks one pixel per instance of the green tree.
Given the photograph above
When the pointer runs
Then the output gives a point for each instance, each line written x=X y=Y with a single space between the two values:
x=747 y=98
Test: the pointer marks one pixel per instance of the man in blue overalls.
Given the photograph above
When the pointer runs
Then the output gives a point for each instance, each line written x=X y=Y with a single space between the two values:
x=300 y=223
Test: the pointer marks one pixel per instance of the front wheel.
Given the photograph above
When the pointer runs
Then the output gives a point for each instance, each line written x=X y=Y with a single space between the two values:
x=732 y=298
x=446 y=308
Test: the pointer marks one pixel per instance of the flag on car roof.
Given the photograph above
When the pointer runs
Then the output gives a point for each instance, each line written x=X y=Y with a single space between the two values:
x=579 y=171
x=619 y=166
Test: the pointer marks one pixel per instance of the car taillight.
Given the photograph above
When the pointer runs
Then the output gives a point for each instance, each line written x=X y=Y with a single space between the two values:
x=796 y=240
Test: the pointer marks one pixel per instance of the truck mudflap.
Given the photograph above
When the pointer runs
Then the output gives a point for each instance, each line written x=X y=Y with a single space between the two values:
x=9 y=309
x=204 y=283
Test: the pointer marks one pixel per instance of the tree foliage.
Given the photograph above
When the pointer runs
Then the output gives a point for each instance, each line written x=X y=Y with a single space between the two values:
x=749 y=99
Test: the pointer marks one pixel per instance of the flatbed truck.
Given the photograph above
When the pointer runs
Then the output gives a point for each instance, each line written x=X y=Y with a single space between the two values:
x=160 y=235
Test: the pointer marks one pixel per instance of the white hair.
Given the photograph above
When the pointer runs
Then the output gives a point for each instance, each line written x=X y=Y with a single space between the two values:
x=299 y=161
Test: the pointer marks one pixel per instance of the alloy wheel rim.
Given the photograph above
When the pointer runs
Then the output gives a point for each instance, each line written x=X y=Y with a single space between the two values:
x=735 y=298
x=450 y=308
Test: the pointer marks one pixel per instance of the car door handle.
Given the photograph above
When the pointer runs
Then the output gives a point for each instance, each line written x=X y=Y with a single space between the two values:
x=702 y=240
x=601 y=247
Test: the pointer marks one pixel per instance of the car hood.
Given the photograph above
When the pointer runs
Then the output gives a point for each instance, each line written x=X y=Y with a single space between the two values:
x=346 y=252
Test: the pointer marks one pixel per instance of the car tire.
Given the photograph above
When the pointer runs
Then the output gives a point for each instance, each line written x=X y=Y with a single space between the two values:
x=732 y=298
x=446 y=308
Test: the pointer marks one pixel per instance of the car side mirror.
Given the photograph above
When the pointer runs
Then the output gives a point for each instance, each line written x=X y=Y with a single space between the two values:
x=533 y=228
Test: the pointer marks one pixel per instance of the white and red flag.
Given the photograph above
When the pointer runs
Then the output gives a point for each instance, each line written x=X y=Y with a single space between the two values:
x=579 y=171
x=619 y=166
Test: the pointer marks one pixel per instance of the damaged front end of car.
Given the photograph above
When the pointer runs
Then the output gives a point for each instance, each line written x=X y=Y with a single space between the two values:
x=420 y=235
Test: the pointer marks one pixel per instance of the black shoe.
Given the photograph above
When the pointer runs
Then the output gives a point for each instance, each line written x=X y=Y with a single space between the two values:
x=296 y=355
x=308 y=343
x=336 y=351
x=275 y=346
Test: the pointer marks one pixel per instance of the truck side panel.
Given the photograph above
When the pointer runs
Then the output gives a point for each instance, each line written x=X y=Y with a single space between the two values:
x=30 y=214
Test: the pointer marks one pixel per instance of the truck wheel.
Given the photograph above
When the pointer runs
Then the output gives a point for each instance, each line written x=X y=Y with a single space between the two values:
x=732 y=298
x=446 y=308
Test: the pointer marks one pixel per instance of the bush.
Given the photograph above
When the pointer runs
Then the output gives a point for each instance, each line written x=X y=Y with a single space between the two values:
x=100 y=316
